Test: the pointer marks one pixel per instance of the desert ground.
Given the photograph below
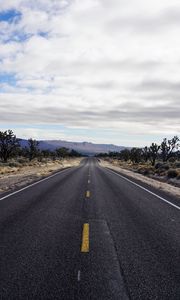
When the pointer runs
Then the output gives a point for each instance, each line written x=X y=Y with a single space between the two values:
x=168 y=186
x=18 y=174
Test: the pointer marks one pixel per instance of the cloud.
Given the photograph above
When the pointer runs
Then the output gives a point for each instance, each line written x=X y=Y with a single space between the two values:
x=92 y=64
x=146 y=23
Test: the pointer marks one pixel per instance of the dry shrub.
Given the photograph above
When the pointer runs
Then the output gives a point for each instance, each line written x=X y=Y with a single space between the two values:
x=162 y=166
x=177 y=164
x=14 y=164
x=3 y=171
x=172 y=159
x=146 y=170
x=178 y=177
x=22 y=160
x=172 y=173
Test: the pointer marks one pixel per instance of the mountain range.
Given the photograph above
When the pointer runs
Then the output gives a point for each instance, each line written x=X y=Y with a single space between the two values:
x=84 y=148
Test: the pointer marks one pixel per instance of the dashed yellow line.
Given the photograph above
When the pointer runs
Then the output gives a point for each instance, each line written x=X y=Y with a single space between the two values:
x=88 y=194
x=85 y=238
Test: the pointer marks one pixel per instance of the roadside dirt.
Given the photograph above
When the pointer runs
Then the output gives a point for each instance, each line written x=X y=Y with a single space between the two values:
x=16 y=177
x=172 y=190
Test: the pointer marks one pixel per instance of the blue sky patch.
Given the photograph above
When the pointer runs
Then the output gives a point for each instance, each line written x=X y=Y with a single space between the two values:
x=18 y=37
x=10 y=16
x=43 y=34
x=7 y=79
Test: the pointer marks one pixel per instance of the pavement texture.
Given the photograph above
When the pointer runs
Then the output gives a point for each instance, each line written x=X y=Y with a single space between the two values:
x=87 y=233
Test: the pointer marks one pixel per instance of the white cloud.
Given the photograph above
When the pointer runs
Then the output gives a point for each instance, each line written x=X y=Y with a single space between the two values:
x=93 y=64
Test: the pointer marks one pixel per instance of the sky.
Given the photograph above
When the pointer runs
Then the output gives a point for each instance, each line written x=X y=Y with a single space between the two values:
x=103 y=71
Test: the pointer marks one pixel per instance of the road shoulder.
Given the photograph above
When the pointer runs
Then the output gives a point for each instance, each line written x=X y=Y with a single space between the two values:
x=148 y=182
x=31 y=174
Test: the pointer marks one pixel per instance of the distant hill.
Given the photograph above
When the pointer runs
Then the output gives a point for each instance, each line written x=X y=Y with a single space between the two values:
x=84 y=148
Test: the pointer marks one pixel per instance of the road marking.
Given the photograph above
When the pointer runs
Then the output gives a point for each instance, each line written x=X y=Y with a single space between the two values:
x=88 y=194
x=140 y=186
x=35 y=183
x=79 y=275
x=89 y=181
x=85 y=238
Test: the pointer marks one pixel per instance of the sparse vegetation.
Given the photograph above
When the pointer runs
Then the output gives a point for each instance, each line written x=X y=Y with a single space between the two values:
x=9 y=145
x=168 y=148
x=32 y=150
x=20 y=165
x=172 y=173
x=157 y=161
x=10 y=148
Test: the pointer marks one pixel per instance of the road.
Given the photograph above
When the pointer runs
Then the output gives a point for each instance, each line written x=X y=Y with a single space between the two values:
x=87 y=233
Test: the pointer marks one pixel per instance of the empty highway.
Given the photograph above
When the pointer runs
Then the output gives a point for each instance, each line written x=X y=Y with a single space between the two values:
x=88 y=233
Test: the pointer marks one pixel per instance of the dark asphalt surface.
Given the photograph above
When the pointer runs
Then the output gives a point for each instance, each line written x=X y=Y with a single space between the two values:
x=134 y=240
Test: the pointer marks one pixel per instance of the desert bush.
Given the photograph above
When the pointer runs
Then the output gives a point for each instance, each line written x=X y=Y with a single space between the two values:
x=14 y=164
x=172 y=173
x=161 y=166
x=3 y=164
x=178 y=177
x=22 y=160
x=145 y=170
x=172 y=159
x=177 y=164
x=158 y=165
x=44 y=160
x=3 y=171
x=165 y=167
x=160 y=172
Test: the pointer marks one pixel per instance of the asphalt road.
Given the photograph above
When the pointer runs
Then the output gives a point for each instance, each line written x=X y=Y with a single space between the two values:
x=87 y=233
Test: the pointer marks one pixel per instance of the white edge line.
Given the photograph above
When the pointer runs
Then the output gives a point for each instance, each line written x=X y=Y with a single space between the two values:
x=32 y=184
x=140 y=186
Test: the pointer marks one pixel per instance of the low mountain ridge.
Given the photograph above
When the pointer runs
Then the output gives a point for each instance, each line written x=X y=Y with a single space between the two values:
x=85 y=148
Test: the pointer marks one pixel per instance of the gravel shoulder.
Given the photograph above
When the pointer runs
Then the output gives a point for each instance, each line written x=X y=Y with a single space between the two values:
x=168 y=188
x=13 y=178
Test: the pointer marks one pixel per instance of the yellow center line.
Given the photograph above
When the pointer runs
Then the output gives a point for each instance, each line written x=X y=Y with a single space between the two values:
x=85 y=238
x=88 y=194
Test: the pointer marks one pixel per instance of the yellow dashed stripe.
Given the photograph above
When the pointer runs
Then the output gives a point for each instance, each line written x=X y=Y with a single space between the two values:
x=85 y=238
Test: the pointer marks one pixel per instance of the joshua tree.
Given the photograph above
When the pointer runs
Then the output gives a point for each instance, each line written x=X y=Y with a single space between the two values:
x=153 y=152
x=136 y=155
x=33 y=150
x=168 y=147
x=9 y=144
x=145 y=153
x=62 y=152
x=125 y=154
